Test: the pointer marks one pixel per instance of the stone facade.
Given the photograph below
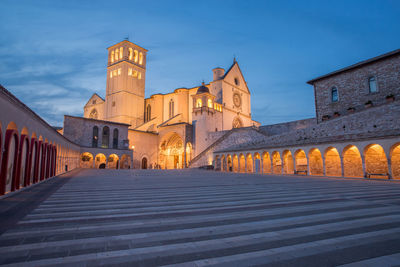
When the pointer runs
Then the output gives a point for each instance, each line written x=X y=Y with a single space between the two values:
x=353 y=87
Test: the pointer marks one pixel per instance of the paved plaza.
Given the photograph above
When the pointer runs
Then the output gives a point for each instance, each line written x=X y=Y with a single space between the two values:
x=198 y=218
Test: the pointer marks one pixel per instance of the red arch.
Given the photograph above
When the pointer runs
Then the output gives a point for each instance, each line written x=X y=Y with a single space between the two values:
x=9 y=134
x=34 y=142
x=48 y=162
x=44 y=158
x=23 y=139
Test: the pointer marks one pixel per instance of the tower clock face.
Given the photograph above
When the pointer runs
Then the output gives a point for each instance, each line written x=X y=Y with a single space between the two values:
x=237 y=100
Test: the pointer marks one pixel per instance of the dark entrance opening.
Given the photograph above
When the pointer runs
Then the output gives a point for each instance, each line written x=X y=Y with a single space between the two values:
x=144 y=163
x=102 y=166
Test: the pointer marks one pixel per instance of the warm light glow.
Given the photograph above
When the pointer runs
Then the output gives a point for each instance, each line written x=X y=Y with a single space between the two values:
x=139 y=75
x=198 y=103
x=121 y=52
x=116 y=54
x=112 y=56
x=210 y=104
x=110 y=74
x=119 y=71
x=114 y=72
x=130 y=71
x=140 y=58
x=135 y=73
x=135 y=56
x=133 y=147
x=130 y=53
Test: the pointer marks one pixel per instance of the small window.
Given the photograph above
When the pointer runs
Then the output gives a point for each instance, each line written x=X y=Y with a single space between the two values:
x=112 y=56
x=94 y=102
x=198 y=103
x=113 y=103
x=130 y=71
x=135 y=73
x=116 y=54
x=135 y=56
x=119 y=71
x=130 y=53
x=335 y=95
x=140 y=58
x=139 y=75
x=121 y=52
x=372 y=85
x=236 y=81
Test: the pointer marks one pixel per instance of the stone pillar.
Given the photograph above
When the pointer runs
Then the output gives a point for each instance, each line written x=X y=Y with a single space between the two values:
x=323 y=166
x=363 y=166
x=245 y=165
x=308 y=166
x=238 y=166
x=389 y=161
x=261 y=165
x=184 y=155
x=294 y=165
x=341 y=164
x=254 y=165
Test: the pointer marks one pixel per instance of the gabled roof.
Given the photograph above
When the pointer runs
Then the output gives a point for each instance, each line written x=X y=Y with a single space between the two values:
x=240 y=71
x=359 y=64
x=95 y=94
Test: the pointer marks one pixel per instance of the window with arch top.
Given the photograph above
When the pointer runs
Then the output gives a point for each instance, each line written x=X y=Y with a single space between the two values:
x=140 y=58
x=130 y=56
x=199 y=103
x=334 y=95
x=171 y=108
x=135 y=56
x=148 y=113
x=115 y=138
x=95 y=136
x=372 y=84
x=105 y=140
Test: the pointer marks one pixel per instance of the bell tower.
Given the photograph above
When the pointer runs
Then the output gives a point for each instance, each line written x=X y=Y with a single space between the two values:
x=126 y=73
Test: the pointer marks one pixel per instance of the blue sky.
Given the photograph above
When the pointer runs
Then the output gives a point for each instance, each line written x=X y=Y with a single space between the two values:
x=53 y=53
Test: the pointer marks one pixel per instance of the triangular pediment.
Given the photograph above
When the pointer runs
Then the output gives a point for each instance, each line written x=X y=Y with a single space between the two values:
x=235 y=77
x=94 y=100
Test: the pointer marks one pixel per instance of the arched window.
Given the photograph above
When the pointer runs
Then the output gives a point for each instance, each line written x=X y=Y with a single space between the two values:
x=139 y=75
x=140 y=58
x=93 y=114
x=105 y=141
x=112 y=56
x=121 y=52
x=148 y=113
x=115 y=139
x=334 y=95
x=95 y=137
x=135 y=56
x=116 y=54
x=372 y=85
x=209 y=103
x=171 y=108
x=130 y=53
x=199 y=103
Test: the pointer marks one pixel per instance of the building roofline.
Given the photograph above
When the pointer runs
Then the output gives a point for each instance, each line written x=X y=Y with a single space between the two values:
x=359 y=64
x=90 y=119
x=127 y=41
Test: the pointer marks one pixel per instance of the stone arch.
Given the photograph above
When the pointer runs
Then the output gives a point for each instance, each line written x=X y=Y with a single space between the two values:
x=395 y=160
x=249 y=163
x=333 y=166
x=9 y=159
x=113 y=161
x=266 y=162
x=352 y=162
x=100 y=161
x=276 y=163
x=257 y=163
x=235 y=163
x=171 y=155
x=23 y=161
x=95 y=136
x=125 y=161
x=242 y=163
x=315 y=162
x=288 y=163
x=229 y=166
x=375 y=160
x=86 y=160
x=301 y=160
x=144 y=163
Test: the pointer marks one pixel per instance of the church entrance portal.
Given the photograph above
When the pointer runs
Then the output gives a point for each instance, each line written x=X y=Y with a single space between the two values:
x=172 y=152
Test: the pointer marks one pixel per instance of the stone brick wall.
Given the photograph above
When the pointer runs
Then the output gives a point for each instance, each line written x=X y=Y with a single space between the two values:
x=281 y=128
x=353 y=87
x=80 y=131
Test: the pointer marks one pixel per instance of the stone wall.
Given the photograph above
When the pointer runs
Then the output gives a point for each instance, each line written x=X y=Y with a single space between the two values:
x=353 y=87
x=281 y=128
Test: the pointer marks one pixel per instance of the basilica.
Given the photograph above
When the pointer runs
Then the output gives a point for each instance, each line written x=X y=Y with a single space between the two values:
x=165 y=130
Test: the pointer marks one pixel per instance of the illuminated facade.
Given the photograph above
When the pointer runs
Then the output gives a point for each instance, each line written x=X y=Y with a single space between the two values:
x=168 y=130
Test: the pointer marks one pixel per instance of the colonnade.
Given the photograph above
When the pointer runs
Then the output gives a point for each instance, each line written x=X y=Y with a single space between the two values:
x=370 y=159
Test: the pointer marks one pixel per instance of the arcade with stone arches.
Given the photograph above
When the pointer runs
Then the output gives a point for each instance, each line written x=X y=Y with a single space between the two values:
x=110 y=160
x=378 y=159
